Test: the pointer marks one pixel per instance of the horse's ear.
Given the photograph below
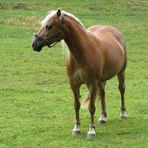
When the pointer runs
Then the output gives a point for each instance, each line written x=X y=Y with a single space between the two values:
x=58 y=12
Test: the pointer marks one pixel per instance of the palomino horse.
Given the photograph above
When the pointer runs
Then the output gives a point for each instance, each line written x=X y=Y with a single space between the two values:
x=95 y=55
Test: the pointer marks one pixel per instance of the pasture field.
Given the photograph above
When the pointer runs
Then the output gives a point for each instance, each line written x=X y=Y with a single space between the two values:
x=36 y=105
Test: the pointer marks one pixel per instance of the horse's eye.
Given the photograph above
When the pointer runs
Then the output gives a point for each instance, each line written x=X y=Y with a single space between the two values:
x=49 y=27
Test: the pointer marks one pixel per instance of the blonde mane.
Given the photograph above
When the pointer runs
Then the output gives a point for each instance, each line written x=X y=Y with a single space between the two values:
x=52 y=13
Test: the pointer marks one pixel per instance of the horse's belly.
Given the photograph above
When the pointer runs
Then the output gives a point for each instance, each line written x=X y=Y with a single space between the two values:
x=112 y=69
x=114 y=61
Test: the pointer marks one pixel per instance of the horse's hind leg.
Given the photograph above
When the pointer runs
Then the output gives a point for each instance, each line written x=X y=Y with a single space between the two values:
x=76 y=88
x=121 y=78
x=103 y=116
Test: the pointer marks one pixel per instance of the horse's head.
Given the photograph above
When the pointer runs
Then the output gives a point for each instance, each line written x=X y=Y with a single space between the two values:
x=51 y=31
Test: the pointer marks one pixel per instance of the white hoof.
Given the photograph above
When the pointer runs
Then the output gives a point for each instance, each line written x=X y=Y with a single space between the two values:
x=102 y=119
x=91 y=133
x=123 y=116
x=76 y=131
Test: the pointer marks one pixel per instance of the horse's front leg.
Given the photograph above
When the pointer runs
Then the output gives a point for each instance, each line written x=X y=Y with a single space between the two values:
x=76 y=92
x=92 y=108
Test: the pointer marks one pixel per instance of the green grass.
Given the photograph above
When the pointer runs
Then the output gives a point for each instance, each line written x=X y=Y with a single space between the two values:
x=36 y=105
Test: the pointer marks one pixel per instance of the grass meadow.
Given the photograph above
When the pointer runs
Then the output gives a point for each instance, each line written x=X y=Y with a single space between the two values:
x=36 y=103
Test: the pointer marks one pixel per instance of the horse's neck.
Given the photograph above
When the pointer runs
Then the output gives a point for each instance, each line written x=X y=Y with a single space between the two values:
x=75 y=37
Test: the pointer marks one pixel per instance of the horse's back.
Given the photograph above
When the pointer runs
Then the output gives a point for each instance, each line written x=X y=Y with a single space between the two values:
x=99 y=30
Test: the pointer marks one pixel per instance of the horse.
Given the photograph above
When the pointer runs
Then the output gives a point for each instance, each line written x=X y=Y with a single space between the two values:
x=96 y=55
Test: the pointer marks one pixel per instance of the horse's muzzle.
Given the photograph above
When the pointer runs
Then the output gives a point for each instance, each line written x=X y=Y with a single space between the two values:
x=36 y=48
x=37 y=44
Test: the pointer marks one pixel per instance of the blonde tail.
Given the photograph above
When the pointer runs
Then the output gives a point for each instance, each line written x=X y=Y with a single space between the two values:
x=85 y=102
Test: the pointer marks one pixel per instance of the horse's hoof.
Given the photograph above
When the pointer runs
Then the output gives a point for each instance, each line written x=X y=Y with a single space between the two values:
x=102 y=119
x=123 y=117
x=75 y=133
x=91 y=133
